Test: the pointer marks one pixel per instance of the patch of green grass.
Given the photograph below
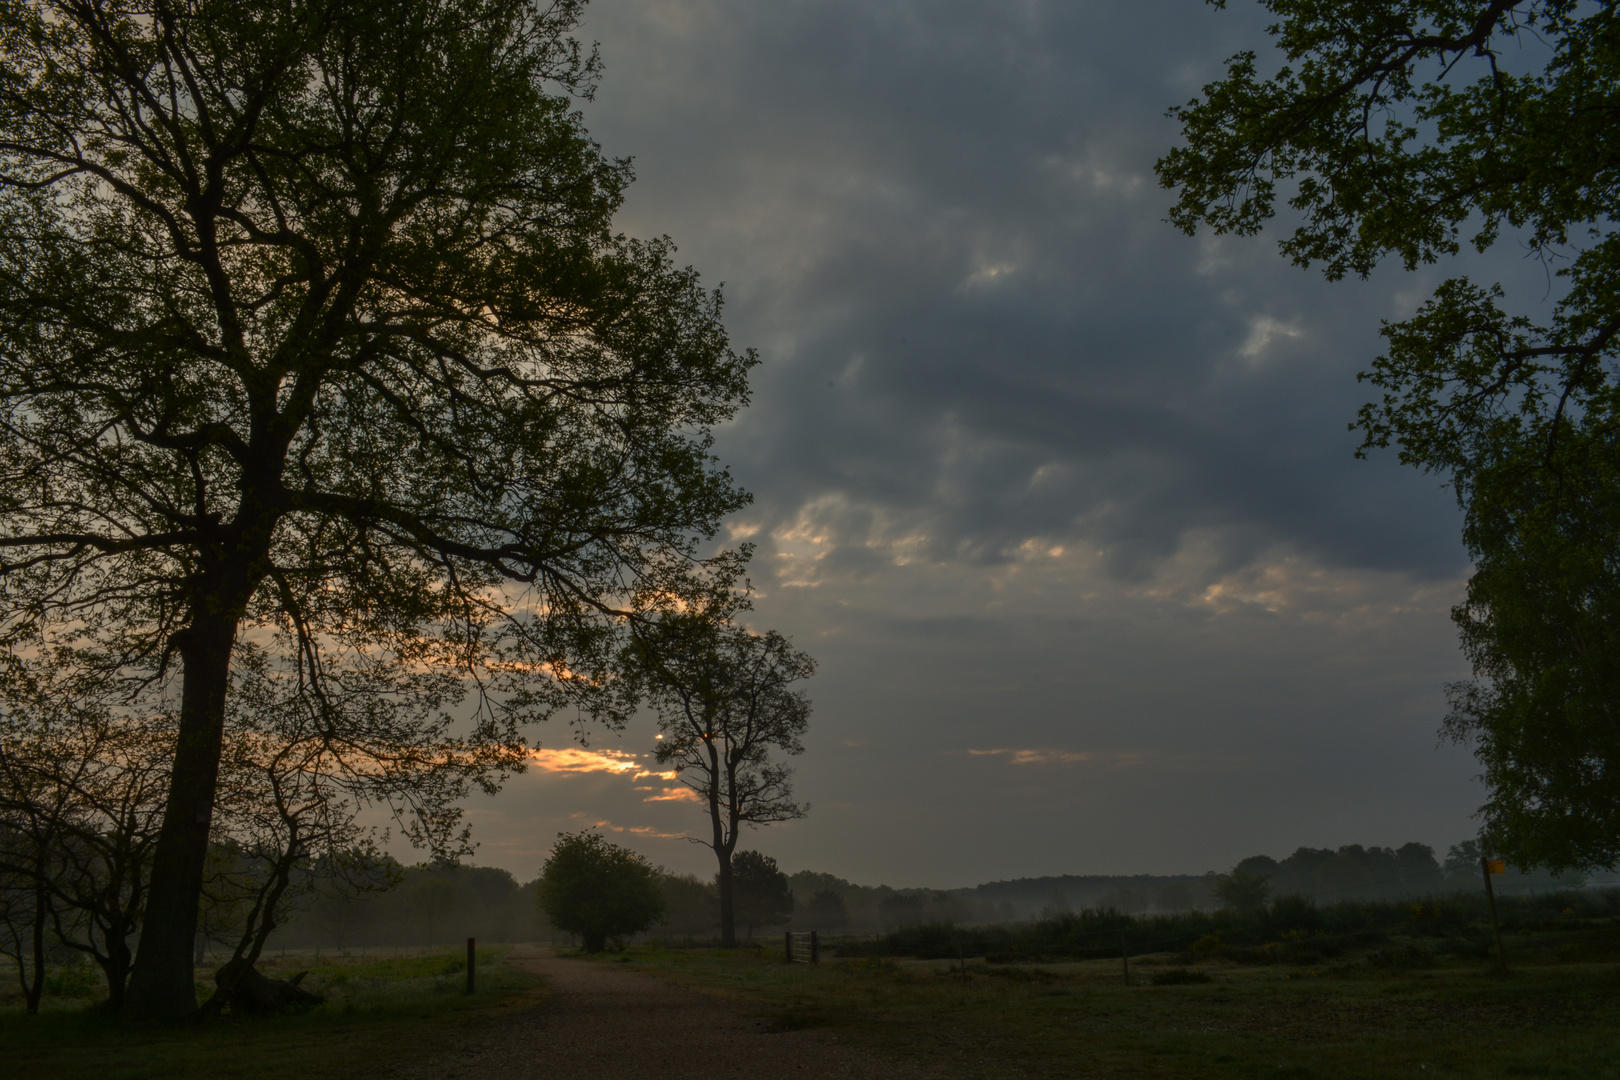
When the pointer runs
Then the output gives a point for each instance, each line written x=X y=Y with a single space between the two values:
x=377 y=1012
x=1357 y=1021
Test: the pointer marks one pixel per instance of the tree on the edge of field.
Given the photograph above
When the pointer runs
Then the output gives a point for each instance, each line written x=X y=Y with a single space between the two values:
x=761 y=891
x=84 y=772
x=82 y=779
x=1408 y=129
x=599 y=890
x=725 y=701
x=311 y=316
x=1244 y=891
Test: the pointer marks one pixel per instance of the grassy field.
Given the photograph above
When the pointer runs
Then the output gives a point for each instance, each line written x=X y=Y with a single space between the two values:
x=378 y=1011
x=1394 y=1011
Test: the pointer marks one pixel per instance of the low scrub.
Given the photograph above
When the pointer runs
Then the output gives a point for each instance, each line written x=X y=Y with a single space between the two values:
x=1291 y=930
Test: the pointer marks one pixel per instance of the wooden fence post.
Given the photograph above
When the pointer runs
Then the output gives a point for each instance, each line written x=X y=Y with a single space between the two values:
x=472 y=963
x=815 y=948
x=1125 y=955
x=1496 y=928
x=787 y=946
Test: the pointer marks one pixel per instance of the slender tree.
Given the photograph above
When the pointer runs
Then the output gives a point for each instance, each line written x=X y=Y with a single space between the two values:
x=297 y=769
x=725 y=700
x=82 y=780
x=310 y=313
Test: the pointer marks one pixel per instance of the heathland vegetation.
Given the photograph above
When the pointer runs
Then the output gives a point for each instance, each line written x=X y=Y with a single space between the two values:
x=1353 y=890
x=1357 y=991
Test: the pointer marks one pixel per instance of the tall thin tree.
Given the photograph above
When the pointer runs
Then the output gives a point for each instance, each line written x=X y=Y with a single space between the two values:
x=725 y=700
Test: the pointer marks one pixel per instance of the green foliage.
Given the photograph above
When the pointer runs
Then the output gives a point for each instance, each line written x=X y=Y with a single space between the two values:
x=1290 y=930
x=380 y=1016
x=1243 y=890
x=726 y=704
x=1354 y=872
x=314 y=323
x=1394 y=126
x=763 y=896
x=1541 y=626
x=599 y=890
x=692 y=906
x=1065 y=1020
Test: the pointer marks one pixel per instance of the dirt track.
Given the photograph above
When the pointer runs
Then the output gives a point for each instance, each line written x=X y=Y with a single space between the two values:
x=604 y=1023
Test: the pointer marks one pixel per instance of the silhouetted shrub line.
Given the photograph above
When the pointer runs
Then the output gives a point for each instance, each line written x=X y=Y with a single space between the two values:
x=1291 y=930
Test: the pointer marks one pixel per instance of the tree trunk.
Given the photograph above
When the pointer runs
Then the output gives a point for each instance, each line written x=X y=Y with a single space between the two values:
x=728 y=908
x=161 y=984
x=722 y=846
x=115 y=968
x=248 y=992
x=33 y=990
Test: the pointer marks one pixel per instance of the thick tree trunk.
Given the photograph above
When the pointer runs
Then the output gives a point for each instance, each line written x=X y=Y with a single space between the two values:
x=722 y=845
x=161 y=984
x=728 y=908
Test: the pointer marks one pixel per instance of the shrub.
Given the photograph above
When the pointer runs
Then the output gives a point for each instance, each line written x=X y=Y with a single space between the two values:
x=599 y=890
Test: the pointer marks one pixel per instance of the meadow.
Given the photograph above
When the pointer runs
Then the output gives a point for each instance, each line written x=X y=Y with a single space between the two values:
x=1352 y=991
x=380 y=1009
x=1366 y=991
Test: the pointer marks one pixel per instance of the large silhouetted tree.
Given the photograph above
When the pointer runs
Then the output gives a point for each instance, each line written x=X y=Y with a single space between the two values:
x=725 y=700
x=311 y=316
x=1408 y=128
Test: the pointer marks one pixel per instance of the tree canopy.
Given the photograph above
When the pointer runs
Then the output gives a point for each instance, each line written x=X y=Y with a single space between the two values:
x=312 y=320
x=763 y=895
x=599 y=890
x=1407 y=129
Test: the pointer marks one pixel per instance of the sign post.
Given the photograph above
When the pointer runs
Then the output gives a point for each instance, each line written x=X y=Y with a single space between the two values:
x=1495 y=866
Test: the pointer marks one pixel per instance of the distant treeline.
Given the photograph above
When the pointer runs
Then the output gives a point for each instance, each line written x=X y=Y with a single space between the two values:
x=1325 y=875
x=426 y=905
x=440 y=904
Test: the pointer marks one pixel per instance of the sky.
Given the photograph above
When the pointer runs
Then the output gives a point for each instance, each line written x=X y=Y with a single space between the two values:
x=1062 y=501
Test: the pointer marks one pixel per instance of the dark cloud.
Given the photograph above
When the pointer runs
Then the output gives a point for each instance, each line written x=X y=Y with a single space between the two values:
x=1034 y=472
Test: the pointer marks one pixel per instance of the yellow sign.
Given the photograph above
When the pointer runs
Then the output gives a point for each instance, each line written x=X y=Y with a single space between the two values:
x=1496 y=866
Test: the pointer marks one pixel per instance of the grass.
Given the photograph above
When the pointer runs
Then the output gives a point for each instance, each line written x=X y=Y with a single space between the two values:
x=1366 y=1015
x=378 y=1012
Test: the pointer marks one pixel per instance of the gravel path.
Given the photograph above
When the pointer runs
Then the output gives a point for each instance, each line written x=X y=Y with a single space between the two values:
x=603 y=1023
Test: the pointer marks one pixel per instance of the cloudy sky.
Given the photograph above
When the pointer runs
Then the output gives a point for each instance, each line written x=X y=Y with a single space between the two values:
x=1062 y=500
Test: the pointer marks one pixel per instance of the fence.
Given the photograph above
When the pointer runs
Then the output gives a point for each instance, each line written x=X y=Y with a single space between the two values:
x=801 y=948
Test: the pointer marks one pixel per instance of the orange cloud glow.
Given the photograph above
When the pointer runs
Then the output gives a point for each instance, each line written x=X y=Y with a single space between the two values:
x=1036 y=757
x=679 y=794
x=575 y=759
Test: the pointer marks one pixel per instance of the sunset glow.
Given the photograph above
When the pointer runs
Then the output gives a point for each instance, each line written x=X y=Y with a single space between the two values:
x=575 y=759
x=1036 y=757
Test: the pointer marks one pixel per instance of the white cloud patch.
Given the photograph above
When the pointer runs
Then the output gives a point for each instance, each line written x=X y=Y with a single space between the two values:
x=1264 y=331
